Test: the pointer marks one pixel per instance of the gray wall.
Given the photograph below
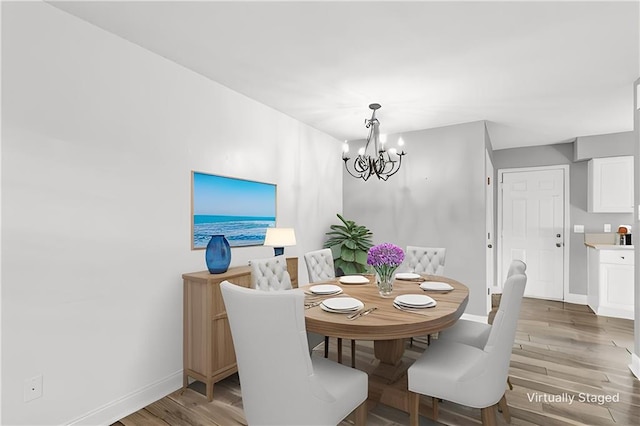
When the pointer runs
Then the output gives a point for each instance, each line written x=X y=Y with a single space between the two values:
x=578 y=215
x=437 y=199
x=635 y=359
x=609 y=145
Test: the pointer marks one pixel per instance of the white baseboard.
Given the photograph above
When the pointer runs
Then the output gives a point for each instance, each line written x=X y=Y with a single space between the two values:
x=127 y=404
x=614 y=312
x=635 y=365
x=578 y=299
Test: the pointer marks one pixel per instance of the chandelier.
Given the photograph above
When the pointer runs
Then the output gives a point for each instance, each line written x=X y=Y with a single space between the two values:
x=374 y=158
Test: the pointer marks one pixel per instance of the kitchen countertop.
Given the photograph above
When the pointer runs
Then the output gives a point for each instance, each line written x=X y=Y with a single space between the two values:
x=608 y=246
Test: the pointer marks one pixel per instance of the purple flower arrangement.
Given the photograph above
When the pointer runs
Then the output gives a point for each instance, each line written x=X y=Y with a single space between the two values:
x=385 y=259
x=385 y=254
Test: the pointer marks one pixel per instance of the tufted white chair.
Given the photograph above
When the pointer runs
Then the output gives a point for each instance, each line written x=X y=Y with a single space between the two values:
x=465 y=374
x=476 y=333
x=425 y=260
x=281 y=383
x=320 y=268
x=320 y=265
x=473 y=332
x=270 y=274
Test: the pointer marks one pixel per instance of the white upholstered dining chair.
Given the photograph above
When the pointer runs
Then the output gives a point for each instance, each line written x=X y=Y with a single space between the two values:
x=281 y=384
x=320 y=268
x=476 y=333
x=320 y=265
x=465 y=374
x=425 y=260
x=473 y=332
x=270 y=274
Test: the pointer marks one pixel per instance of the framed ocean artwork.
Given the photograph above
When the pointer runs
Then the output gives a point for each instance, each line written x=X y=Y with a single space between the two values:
x=239 y=209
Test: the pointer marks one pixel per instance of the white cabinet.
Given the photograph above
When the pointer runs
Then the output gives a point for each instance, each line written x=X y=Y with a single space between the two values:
x=611 y=185
x=611 y=282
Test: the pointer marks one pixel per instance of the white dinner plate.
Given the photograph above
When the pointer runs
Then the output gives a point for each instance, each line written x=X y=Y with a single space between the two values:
x=411 y=308
x=354 y=279
x=436 y=286
x=407 y=276
x=402 y=306
x=325 y=289
x=341 y=304
x=340 y=311
x=415 y=301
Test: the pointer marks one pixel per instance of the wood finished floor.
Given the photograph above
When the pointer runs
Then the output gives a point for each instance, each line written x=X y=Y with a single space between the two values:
x=560 y=349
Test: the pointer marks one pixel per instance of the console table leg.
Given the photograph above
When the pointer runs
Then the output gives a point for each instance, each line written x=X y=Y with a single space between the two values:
x=209 y=391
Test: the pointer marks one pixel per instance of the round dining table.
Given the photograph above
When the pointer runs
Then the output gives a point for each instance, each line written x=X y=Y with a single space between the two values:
x=387 y=326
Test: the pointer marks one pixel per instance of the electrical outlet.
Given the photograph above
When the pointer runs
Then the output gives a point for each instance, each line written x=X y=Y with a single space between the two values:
x=33 y=388
x=578 y=229
x=607 y=227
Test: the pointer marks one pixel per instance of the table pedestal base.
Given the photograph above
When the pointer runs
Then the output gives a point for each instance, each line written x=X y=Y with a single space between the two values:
x=396 y=396
x=388 y=381
x=389 y=351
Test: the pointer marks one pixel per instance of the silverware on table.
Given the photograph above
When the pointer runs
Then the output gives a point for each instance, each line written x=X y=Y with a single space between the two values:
x=312 y=304
x=361 y=313
x=412 y=310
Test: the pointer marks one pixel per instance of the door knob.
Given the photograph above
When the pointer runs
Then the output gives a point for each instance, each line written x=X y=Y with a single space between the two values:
x=490 y=245
x=558 y=235
x=558 y=244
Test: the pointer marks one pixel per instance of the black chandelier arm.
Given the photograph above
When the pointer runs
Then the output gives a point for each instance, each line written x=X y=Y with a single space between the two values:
x=392 y=172
x=347 y=169
x=366 y=166
x=380 y=165
x=360 y=166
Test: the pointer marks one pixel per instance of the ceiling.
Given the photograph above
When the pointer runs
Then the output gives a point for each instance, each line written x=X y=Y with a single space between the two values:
x=538 y=72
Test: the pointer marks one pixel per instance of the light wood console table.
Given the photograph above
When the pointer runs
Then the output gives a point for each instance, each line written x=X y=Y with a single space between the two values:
x=208 y=353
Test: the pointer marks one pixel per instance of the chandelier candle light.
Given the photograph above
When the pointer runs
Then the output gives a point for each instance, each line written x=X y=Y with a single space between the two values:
x=385 y=259
x=374 y=158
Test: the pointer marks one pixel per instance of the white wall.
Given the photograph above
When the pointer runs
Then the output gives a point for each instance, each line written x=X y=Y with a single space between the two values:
x=437 y=199
x=99 y=138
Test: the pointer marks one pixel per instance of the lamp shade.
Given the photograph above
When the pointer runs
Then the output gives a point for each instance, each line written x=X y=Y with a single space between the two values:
x=280 y=237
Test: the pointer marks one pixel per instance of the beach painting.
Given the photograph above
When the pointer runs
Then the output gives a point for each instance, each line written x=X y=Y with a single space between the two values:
x=239 y=209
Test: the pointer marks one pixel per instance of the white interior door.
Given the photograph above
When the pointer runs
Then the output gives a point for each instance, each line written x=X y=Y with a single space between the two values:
x=490 y=229
x=532 y=228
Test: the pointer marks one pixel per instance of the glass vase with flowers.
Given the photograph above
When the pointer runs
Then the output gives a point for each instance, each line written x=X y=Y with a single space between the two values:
x=385 y=259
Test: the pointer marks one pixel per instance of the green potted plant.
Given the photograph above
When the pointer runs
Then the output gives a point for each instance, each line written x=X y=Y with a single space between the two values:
x=349 y=244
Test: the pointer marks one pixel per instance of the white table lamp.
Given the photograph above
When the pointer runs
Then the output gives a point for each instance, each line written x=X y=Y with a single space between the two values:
x=279 y=238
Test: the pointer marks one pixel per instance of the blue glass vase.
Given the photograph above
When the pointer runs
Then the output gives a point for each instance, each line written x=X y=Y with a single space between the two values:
x=218 y=254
